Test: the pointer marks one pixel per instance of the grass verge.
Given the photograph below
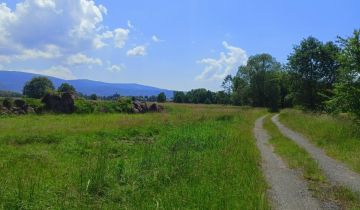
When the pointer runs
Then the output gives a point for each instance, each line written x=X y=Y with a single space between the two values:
x=338 y=136
x=298 y=159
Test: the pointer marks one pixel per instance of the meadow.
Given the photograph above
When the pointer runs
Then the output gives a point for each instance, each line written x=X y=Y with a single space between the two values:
x=188 y=157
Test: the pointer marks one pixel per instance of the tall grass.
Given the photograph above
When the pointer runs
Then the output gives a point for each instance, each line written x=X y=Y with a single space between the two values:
x=190 y=157
x=338 y=136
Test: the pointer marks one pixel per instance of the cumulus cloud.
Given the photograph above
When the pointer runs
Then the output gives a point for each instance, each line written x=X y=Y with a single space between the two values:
x=80 y=59
x=116 y=68
x=120 y=37
x=58 y=31
x=156 y=39
x=218 y=69
x=47 y=29
x=137 y=51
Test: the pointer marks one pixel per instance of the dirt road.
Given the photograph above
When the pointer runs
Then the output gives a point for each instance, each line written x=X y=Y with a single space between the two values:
x=335 y=171
x=287 y=191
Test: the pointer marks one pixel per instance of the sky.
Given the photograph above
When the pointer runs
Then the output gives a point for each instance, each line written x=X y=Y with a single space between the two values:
x=178 y=45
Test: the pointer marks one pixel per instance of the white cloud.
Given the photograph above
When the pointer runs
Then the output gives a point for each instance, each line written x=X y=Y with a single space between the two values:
x=218 y=69
x=116 y=68
x=156 y=39
x=137 y=51
x=120 y=37
x=131 y=26
x=49 y=52
x=80 y=59
x=103 y=9
x=98 y=41
x=46 y=3
x=54 y=71
x=71 y=26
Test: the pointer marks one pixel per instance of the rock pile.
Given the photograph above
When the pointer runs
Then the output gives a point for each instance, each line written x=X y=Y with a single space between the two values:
x=63 y=103
x=142 y=107
x=18 y=107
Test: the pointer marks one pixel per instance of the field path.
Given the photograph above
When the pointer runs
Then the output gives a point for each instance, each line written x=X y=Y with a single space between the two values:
x=287 y=191
x=336 y=172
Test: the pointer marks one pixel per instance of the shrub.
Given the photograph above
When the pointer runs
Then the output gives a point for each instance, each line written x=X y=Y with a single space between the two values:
x=84 y=107
x=8 y=103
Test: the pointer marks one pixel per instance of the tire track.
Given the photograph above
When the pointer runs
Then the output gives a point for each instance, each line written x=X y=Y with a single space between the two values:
x=287 y=191
x=335 y=171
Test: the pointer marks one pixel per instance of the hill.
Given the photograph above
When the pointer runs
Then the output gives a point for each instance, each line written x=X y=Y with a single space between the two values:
x=14 y=81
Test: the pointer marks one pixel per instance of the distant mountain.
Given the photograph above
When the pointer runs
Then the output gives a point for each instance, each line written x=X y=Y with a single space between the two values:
x=14 y=81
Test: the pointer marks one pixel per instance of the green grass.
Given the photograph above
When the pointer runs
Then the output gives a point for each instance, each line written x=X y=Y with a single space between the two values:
x=338 y=136
x=190 y=157
x=297 y=158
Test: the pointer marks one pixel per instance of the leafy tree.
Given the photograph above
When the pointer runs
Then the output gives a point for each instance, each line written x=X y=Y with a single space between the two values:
x=161 y=98
x=93 y=97
x=250 y=84
x=272 y=90
x=228 y=84
x=286 y=95
x=313 y=66
x=38 y=87
x=241 y=90
x=222 y=97
x=200 y=96
x=152 y=98
x=66 y=88
x=180 y=97
x=347 y=90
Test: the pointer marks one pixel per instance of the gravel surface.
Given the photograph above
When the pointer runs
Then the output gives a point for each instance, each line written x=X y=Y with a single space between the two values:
x=335 y=171
x=287 y=191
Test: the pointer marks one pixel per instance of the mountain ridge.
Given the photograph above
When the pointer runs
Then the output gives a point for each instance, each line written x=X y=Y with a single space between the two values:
x=15 y=81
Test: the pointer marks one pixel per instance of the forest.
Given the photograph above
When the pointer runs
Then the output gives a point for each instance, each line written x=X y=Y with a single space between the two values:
x=318 y=76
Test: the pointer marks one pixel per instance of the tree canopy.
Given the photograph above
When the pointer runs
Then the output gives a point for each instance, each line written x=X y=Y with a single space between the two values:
x=66 y=88
x=38 y=87
x=161 y=98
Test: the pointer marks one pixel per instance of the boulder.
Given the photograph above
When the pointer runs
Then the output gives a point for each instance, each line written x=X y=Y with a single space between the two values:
x=156 y=108
x=19 y=103
x=8 y=103
x=141 y=107
x=67 y=102
x=144 y=107
x=30 y=110
x=63 y=103
x=4 y=110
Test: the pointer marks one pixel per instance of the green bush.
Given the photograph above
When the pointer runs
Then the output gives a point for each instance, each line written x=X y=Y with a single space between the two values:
x=8 y=103
x=84 y=107
x=89 y=106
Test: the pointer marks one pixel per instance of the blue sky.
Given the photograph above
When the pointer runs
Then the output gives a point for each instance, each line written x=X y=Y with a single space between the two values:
x=169 y=44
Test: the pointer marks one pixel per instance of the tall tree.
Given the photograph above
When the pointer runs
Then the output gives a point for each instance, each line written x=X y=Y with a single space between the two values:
x=313 y=67
x=255 y=73
x=161 y=98
x=347 y=89
x=38 y=87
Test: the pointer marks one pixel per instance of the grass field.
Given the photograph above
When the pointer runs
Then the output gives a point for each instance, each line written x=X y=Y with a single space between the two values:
x=297 y=158
x=189 y=157
x=338 y=136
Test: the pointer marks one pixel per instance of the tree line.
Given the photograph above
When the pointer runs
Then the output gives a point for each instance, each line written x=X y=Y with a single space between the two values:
x=38 y=87
x=318 y=76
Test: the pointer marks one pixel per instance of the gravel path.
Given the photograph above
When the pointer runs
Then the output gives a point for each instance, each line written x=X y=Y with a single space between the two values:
x=287 y=191
x=336 y=172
